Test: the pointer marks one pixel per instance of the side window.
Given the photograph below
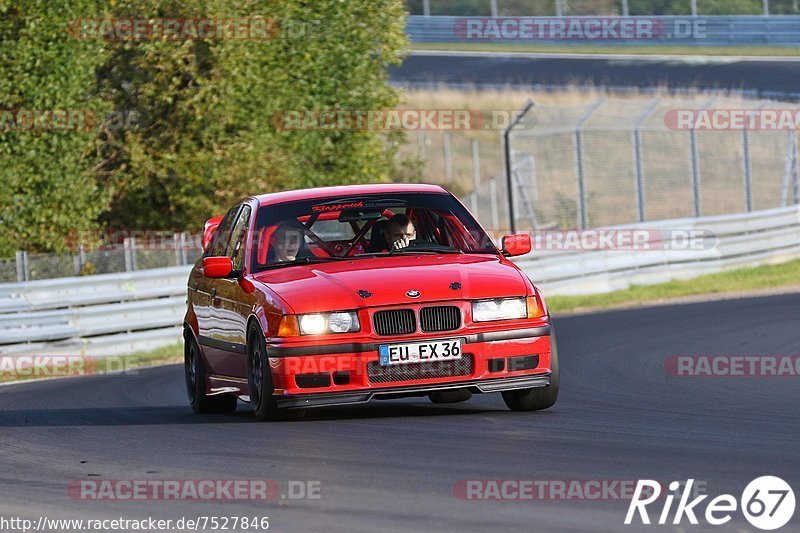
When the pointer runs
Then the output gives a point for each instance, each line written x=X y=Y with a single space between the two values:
x=221 y=237
x=238 y=236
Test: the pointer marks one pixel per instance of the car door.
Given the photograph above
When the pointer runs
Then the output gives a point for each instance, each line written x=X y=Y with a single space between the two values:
x=232 y=304
x=205 y=293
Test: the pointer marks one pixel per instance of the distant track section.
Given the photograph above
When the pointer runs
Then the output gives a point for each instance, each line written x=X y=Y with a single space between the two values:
x=764 y=77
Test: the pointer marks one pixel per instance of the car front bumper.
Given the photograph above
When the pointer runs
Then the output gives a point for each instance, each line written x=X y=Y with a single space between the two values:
x=346 y=398
x=494 y=361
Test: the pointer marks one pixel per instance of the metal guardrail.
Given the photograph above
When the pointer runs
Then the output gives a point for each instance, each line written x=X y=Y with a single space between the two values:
x=750 y=239
x=739 y=30
x=105 y=314
x=112 y=314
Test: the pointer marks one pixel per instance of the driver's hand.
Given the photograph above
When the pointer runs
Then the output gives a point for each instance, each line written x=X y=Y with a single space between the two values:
x=399 y=244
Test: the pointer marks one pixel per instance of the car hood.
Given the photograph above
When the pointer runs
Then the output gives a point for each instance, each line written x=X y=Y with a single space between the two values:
x=336 y=285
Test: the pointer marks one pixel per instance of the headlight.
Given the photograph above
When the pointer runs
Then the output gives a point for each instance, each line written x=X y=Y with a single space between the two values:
x=501 y=309
x=337 y=322
x=312 y=324
x=342 y=322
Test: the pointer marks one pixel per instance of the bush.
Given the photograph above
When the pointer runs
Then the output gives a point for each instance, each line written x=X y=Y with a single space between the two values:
x=205 y=133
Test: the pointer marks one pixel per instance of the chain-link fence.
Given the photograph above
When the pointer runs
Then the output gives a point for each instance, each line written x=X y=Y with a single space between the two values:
x=153 y=250
x=611 y=161
x=618 y=161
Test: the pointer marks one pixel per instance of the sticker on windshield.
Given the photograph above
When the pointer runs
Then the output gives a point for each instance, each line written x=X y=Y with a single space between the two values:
x=322 y=208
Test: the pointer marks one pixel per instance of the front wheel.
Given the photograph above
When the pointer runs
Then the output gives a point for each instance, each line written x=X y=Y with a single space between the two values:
x=195 y=375
x=537 y=398
x=259 y=377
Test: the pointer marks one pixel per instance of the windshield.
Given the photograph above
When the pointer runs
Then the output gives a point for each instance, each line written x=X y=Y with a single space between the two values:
x=338 y=228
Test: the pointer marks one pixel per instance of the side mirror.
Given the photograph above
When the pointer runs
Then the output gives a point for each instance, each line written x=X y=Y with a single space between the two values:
x=516 y=244
x=208 y=231
x=217 y=267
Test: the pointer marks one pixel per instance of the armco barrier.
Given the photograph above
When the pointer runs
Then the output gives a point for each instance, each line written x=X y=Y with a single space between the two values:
x=105 y=314
x=756 y=238
x=112 y=314
x=734 y=30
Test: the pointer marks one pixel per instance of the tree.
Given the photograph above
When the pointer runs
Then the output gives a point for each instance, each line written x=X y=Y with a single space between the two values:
x=203 y=132
x=47 y=133
x=209 y=134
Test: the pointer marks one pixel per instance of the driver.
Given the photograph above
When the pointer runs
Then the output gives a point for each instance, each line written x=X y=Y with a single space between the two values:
x=285 y=242
x=400 y=232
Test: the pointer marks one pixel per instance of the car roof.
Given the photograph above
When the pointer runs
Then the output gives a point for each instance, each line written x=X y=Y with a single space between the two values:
x=346 y=191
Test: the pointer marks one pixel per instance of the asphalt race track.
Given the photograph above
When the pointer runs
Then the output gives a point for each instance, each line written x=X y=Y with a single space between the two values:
x=392 y=466
x=768 y=77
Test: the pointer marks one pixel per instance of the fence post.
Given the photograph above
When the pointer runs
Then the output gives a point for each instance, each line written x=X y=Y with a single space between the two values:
x=476 y=176
x=581 y=203
x=133 y=253
x=23 y=273
x=695 y=172
x=493 y=7
x=583 y=216
x=625 y=12
x=126 y=253
x=493 y=204
x=788 y=169
x=696 y=162
x=426 y=8
x=694 y=8
x=184 y=254
x=448 y=157
x=796 y=167
x=637 y=159
x=559 y=8
x=748 y=175
x=473 y=203
x=80 y=258
x=176 y=245
x=508 y=163
x=637 y=165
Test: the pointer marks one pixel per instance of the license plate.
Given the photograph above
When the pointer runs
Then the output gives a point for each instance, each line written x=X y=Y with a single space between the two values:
x=419 y=352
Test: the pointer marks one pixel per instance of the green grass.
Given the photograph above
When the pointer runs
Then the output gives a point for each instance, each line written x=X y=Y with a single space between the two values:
x=745 y=279
x=790 y=51
x=161 y=356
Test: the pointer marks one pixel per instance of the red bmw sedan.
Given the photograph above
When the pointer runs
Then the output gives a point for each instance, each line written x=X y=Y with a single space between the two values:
x=341 y=295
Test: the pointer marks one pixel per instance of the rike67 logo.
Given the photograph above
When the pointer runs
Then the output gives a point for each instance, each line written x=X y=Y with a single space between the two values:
x=767 y=502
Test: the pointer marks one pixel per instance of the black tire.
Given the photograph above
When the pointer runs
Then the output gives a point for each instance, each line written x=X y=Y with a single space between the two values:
x=537 y=398
x=259 y=378
x=450 y=396
x=195 y=374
